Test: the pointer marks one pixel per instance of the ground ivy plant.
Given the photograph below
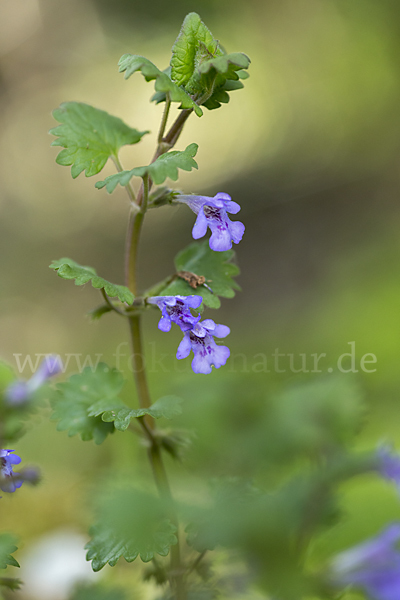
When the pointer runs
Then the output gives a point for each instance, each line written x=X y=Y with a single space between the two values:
x=282 y=458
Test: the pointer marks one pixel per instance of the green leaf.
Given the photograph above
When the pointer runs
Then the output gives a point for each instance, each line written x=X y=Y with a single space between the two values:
x=89 y=137
x=7 y=547
x=130 y=63
x=131 y=523
x=216 y=267
x=12 y=583
x=97 y=592
x=121 y=415
x=194 y=44
x=71 y=402
x=166 y=165
x=99 y=311
x=105 y=547
x=69 y=269
x=202 y=67
x=225 y=65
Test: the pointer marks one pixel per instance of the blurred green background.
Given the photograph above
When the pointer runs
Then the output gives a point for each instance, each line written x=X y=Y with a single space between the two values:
x=310 y=149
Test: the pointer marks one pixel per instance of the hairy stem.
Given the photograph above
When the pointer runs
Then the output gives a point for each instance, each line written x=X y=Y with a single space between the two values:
x=164 y=119
x=160 y=476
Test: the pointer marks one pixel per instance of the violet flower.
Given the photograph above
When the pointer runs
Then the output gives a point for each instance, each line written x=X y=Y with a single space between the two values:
x=206 y=352
x=19 y=392
x=176 y=309
x=373 y=566
x=9 y=480
x=212 y=213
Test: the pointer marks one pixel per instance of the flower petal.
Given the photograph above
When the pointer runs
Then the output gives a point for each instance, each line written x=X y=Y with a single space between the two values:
x=200 y=227
x=184 y=347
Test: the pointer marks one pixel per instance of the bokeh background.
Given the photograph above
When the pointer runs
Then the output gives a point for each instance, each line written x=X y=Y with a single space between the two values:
x=310 y=149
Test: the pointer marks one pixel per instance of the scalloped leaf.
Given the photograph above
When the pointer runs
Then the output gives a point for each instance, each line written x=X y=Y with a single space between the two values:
x=131 y=523
x=69 y=269
x=166 y=165
x=7 y=547
x=121 y=415
x=71 y=402
x=130 y=63
x=216 y=267
x=89 y=136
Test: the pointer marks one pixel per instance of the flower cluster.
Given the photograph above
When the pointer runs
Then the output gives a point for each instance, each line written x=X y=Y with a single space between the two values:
x=198 y=335
x=212 y=213
x=9 y=481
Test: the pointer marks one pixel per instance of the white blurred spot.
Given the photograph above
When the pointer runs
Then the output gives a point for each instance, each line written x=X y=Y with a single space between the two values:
x=51 y=567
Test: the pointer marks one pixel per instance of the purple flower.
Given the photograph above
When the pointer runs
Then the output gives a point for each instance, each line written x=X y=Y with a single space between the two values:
x=176 y=309
x=9 y=481
x=212 y=213
x=19 y=392
x=373 y=566
x=200 y=339
x=389 y=464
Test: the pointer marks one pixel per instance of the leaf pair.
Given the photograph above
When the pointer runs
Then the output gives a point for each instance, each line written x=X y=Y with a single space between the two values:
x=166 y=165
x=91 y=136
x=88 y=404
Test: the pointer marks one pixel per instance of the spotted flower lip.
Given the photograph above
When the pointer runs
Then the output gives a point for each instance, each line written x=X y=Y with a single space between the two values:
x=372 y=566
x=9 y=481
x=19 y=392
x=176 y=309
x=206 y=352
x=212 y=213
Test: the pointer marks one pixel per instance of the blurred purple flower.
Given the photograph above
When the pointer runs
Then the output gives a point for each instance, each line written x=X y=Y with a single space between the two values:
x=373 y=566
x=19 y=392
x=212 y=213
x=176 y=309
x=206 y=352
x=389 y=464
x=9 y=480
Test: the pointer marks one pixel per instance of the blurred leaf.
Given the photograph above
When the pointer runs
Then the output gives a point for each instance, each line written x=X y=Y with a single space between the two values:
x=7 y=547
x=71 y=402
x=130 y=63
x=121 y=415
x=315 y=417
x=12 y=583
x=131 y=523
x=99 y=311
x=97 y=592
x=166 y=165
x=89 y=137
x=216 y=267
x=69 y=269
x=6 y=376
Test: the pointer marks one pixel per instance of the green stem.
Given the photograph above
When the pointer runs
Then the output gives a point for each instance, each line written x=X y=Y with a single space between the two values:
x=129 y=188
x=147 y=423
x=111 y=305
x=164 y=119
